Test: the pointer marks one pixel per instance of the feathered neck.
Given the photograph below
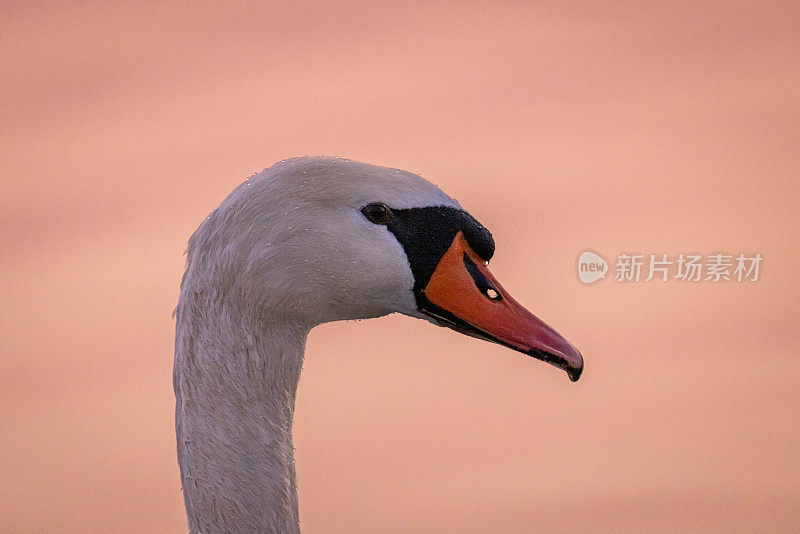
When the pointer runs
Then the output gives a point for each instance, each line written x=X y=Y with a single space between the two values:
x=235 y=379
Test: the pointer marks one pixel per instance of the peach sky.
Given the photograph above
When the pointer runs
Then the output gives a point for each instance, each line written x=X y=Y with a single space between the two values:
x=650 y=128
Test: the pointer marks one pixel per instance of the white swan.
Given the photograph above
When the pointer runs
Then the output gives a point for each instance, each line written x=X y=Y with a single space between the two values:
x=307 y=241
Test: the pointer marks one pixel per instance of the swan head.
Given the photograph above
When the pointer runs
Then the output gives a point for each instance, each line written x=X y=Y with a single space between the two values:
x=318 y=239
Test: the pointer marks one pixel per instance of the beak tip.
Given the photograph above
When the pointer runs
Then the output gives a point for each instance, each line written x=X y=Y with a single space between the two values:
x=570 y=361
x=574 y=368
x=574 y=373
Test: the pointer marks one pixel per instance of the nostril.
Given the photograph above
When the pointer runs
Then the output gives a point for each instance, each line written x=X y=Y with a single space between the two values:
x=481 y=282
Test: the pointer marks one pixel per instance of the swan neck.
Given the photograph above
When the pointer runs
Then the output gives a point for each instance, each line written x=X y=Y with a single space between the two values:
x=235 y=382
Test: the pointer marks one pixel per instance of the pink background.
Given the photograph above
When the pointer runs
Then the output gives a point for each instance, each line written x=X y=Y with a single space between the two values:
x=561 y=126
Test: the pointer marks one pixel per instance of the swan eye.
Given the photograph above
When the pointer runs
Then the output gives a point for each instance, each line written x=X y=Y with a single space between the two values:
x=377 y=213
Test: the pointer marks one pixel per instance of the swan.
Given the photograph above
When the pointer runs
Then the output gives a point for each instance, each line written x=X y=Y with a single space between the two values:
x=304 y=242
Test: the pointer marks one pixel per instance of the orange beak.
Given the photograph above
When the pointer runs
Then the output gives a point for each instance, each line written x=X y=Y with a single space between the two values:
x=462 y=294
